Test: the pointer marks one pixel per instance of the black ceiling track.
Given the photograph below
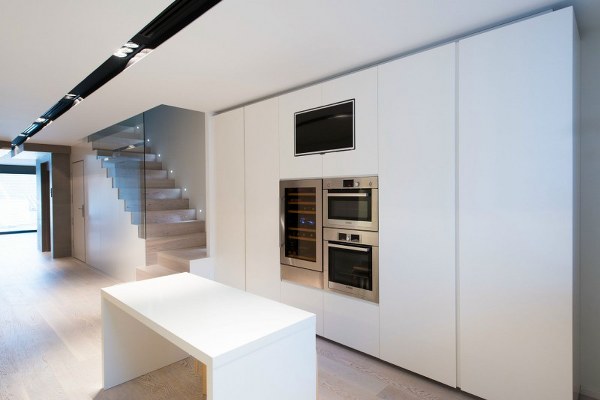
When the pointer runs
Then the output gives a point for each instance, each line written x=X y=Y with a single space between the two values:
x=170 y=21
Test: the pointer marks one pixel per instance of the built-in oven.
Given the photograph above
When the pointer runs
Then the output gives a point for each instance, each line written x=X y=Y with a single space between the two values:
x=351 y=203
x=351 y=262
x=301 y=231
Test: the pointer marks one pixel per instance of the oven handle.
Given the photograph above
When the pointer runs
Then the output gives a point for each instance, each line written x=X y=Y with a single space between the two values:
x=354 y=248
x=361 y=194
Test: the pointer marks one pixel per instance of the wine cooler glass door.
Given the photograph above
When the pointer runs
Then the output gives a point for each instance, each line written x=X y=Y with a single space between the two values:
x=301 y=217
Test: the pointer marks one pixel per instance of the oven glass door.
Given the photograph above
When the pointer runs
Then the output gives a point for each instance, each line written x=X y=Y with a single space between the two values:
x=350 y=266
x=351 y=208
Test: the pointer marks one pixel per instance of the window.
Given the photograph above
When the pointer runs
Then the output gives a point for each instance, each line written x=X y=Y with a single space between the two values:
x=18 y=205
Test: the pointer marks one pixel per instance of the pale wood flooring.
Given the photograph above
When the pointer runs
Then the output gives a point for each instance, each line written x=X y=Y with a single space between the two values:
x=50 y=343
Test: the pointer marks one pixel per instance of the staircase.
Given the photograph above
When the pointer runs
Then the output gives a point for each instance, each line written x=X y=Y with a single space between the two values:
x=171 y=231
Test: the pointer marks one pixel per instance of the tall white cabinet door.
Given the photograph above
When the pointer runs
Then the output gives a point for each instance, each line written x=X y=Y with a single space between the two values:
x=262 y=199
x=516 y=158
x=291 y=167
x=228 y=174
x=417 y=213
x=363 y=160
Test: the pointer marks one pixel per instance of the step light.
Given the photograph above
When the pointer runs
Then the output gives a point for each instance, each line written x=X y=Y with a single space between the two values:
x=170 y=21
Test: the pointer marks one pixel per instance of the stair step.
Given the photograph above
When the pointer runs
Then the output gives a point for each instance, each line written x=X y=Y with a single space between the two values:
x=133 y=164
x=119 y=156
x=179 y=260
x=136 y=182
x=157 y=204
x=154 y=194
x=135 y=173
x=163 y=216
x=154 y=245
x=160 y=183
x=115 y=142
x=104 y=151
x=152 y=271
x=174 y=228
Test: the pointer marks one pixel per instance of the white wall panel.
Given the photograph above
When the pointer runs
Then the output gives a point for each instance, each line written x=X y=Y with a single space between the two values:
x=516 y=210
x=351 y=322
x=229 y=205
x=262 y=198
x=417 y=213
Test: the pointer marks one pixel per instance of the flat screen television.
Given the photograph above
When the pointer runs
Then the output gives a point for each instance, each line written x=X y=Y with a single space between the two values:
x=324 y=129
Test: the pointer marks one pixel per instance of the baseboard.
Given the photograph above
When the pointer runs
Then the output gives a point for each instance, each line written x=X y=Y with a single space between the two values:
x=594 y=394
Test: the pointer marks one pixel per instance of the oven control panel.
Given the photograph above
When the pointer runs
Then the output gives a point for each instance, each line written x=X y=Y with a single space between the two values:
x=348 y=237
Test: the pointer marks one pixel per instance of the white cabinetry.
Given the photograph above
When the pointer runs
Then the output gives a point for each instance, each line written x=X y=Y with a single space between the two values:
x=517 y=210
x=362 y=87
x=417 y=213
x=305 y=298
x=262 y=199
x=291 y=167
x=351 y=322
x=229 y=214
x=363 y=160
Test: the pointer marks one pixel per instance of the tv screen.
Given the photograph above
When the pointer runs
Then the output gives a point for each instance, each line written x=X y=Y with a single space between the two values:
x=324 y=129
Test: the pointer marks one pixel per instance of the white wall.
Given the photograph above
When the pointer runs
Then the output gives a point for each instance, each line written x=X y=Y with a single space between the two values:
x=590 y=212
x=178 y=136
x=112 y=243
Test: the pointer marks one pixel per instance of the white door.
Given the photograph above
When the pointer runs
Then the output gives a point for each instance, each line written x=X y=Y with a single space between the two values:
x=78 y=211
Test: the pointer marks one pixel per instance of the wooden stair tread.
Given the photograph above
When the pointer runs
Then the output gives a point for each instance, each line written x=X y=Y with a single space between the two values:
x=153 y=271
x=171 y=228
x=190 y=253
x=171 y=238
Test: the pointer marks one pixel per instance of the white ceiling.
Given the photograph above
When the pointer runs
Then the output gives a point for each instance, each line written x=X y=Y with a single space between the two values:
x=239 y=51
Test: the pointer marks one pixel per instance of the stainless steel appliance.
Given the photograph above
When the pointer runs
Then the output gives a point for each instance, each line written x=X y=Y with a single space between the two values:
x=301 y=231
x=351 y=203
x=351 y=262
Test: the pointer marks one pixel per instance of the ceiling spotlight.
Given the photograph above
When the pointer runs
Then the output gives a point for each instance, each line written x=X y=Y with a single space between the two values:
x=41 y=120
x=141 y=54
x=131 y=45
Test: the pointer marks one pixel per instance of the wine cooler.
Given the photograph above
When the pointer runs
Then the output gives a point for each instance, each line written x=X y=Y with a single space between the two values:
x=301 y=230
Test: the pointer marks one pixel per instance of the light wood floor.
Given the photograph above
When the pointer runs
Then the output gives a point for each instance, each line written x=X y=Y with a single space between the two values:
x=50 y=343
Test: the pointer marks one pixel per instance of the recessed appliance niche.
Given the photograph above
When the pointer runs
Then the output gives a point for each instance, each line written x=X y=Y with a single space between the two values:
x=329 y=235
x=324 y=129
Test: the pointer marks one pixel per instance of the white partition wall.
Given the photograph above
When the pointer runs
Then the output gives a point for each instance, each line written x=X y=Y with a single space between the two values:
x=262 y=198
x=229 y=208
x=417 y=213
x=516 y=210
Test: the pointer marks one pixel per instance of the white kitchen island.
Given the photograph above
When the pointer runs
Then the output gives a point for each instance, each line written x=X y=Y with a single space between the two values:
x=253 y=348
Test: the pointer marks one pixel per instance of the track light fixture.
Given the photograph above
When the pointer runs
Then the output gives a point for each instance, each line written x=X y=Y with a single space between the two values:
x=170 y=21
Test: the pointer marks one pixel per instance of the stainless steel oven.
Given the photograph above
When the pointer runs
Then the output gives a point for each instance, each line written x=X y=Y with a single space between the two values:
x=351 y=203
x=351 y=262
x=301 y=231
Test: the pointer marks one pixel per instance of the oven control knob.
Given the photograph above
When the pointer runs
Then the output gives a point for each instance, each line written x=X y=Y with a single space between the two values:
x=370 y=183
x=356 y=184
